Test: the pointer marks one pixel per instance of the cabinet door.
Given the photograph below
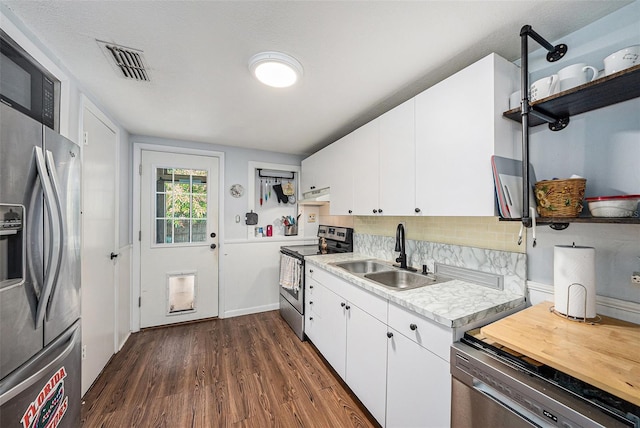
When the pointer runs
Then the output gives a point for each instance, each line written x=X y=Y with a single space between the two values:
x=333 y=337
x=453 y=155
x=418 y=386
x=397 y=160
x=365 y=167
x=367 y=360
x=315 y=170
x=341 y=177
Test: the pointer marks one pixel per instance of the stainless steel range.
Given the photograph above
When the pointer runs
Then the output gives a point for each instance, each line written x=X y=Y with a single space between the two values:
x=332 y=239
x=496 y=386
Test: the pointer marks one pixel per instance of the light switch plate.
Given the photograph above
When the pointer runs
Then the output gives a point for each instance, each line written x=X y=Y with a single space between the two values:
x=311 y=218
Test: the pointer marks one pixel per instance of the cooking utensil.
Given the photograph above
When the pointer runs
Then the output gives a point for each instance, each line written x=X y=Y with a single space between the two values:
x=260 y=192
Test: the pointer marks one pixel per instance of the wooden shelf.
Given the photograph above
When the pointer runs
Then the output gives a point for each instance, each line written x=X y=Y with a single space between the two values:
x=606 y=91
x=560 y=220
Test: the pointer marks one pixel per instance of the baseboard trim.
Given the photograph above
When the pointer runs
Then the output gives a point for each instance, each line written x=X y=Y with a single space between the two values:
x=124 y=341
x=602 y=302
x=253 y=310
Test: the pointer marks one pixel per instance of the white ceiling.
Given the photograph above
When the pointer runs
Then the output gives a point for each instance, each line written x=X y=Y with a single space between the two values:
x=360 y=58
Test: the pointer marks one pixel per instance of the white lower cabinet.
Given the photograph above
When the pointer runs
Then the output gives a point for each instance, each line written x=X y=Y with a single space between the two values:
x=381 y=351
x=367 y=360
x=418 y=386
x=334 y=336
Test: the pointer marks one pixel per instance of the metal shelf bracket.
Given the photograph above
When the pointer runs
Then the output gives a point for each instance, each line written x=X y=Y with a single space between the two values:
x=554 y=54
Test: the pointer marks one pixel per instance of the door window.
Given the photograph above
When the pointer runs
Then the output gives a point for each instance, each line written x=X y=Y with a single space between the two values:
x=181 y=206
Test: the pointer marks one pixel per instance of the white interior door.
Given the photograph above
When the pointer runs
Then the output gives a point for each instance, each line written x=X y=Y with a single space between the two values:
x=178 y=248
x=98 y=242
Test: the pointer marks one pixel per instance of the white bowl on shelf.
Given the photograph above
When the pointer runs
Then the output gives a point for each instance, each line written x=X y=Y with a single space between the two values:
x=614 y=206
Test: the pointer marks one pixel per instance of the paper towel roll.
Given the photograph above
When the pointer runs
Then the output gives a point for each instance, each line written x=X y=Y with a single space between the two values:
x=574 y=265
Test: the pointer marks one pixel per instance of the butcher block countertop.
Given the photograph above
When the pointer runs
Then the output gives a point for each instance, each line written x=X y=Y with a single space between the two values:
x=606 y=355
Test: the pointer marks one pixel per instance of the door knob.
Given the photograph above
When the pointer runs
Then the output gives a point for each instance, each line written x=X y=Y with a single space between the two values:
x=213 y=234
x=417 y=210
x=113 y=256
x=213 y=246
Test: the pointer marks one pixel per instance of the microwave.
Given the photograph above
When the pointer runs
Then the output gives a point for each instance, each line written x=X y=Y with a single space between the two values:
x=26 y=86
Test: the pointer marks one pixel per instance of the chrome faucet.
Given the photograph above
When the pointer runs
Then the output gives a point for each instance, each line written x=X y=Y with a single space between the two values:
x=400 y=246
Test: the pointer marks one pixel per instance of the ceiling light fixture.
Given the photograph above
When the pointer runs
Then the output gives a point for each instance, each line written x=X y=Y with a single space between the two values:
x=275 y=69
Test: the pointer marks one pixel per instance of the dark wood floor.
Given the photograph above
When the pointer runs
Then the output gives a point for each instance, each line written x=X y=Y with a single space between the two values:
x=249 y=371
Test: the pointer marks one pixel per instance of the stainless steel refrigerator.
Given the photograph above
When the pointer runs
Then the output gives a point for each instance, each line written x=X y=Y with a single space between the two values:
x=40 y=348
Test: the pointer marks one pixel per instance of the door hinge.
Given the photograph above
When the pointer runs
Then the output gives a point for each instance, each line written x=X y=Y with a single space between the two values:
x=139 y=302
x=85 y=138
x=140 y=169
x=140 y=236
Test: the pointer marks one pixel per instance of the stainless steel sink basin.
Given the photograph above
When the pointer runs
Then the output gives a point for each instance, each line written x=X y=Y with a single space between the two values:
x=363 y=266
x=403 y=280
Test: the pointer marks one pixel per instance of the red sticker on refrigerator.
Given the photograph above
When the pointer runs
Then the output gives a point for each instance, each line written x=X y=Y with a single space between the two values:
x=50 y=405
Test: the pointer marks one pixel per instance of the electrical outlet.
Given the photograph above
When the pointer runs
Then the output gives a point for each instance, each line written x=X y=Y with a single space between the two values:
x=84 y=351
x=635 y=278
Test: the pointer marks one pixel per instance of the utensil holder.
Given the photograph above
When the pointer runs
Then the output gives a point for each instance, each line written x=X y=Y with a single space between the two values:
x=291 y=230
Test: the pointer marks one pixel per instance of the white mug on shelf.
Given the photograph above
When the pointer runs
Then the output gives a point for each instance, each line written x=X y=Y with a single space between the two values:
x=544 y=87
x=622 y=59
x=576 y=75
x=515 y=99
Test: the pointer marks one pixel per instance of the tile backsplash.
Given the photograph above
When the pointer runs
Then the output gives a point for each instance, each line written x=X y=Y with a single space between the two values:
x=479 y=232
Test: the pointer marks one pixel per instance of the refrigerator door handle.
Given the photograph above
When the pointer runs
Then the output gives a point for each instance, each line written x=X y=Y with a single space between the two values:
x=12 y=385
x=55 y=186
x=55 y=235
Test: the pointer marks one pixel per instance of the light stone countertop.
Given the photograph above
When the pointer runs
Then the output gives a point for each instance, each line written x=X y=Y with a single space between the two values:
x=453 y=303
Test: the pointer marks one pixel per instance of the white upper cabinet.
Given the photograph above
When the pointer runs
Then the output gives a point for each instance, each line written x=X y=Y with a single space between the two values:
x=341 y=179
x=428 y=156
x=315 y=171
x=459 y=126
x=397 y=173
x=365 y=165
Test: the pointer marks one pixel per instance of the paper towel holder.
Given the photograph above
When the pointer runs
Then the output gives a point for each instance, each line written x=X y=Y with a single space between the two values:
x=591 y=321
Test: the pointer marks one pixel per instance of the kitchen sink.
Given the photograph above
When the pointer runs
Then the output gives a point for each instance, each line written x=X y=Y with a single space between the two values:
x=363 y=266
x=403 y=280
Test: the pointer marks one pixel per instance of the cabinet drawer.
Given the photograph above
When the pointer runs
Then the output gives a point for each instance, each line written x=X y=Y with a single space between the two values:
x=373 y=304
x=320 y=275
x=425 y=332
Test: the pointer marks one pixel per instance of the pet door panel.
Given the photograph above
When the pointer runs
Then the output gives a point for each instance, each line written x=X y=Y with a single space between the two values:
x=182 y=293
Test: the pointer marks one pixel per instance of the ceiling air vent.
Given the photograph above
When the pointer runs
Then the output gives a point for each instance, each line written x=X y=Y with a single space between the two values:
x=129 y=62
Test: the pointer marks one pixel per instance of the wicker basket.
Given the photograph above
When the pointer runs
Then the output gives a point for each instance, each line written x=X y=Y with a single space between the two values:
x=560 y=198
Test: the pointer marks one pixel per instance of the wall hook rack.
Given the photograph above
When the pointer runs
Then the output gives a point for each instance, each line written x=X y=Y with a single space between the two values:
x=281 y=177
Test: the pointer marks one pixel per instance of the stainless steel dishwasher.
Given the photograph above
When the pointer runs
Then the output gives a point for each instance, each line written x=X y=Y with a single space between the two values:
x=494 y=390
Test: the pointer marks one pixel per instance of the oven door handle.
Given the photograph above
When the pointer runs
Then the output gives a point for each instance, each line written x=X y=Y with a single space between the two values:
x=508 y=403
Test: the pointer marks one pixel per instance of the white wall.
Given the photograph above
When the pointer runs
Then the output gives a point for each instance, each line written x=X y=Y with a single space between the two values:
x=602 y=146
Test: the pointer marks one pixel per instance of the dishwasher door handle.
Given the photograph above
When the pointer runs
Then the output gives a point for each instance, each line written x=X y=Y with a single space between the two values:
x=508 y=403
